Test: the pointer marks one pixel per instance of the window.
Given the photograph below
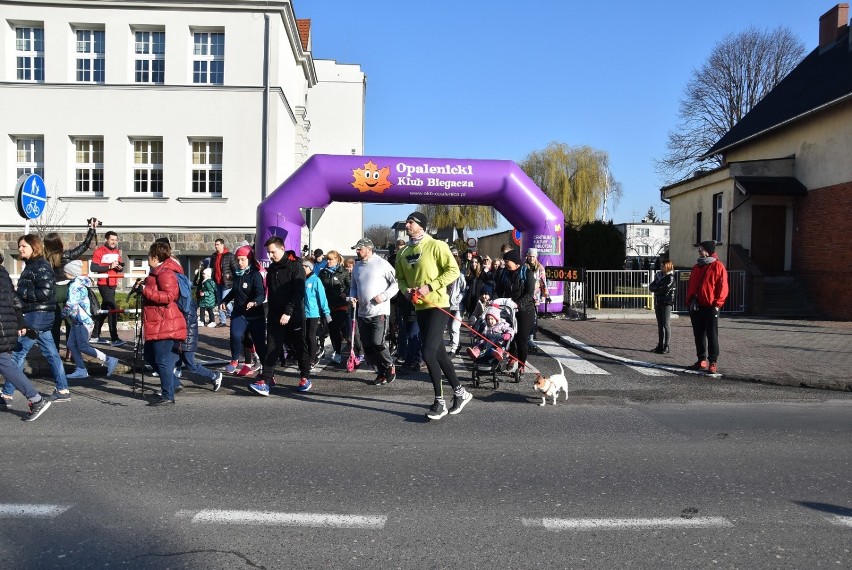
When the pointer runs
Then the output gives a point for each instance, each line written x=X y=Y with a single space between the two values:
x=148 y=167
x=90 y=56
x=30 y=156
x=717 y=217
x=698 y=228
x=643 y=250
x=208 y=58
x=150 y=48
x=29 y=52
x=643 y=232
x=207 y=167
x=89 y=163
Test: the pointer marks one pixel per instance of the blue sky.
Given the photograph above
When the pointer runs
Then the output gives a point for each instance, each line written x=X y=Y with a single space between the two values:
x=499 y=79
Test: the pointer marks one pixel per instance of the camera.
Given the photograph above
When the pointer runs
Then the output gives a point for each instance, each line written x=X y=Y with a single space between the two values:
x=89 y=221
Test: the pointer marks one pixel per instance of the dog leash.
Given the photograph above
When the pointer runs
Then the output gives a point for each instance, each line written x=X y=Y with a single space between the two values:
x=416 y=298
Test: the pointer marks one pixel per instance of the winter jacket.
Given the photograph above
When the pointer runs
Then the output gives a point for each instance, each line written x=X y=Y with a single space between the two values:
x=190 y=343
x=101 y=260
x=285 y=283
x=456 y=291
x=519 y=285
x=77 y=308
x=162 y=317
x=208 y=299
x=246 y=288
x=663 y=287
x=224 y=266
x=337 y=282
x=11 y=318
x=708 y=284
x=316 y=304
x=36 y=286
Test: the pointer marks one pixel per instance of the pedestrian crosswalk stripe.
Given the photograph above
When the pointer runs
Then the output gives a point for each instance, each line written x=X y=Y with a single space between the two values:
x=23 y=510
x=841 y=520
x=316 y=520
x=648 y=371
x=570 y=360
x=625 y=524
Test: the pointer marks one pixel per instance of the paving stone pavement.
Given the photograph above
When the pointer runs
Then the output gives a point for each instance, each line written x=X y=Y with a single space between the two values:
x=776 y=351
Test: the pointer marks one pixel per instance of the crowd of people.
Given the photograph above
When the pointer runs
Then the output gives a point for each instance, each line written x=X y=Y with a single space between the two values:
x=389 y=313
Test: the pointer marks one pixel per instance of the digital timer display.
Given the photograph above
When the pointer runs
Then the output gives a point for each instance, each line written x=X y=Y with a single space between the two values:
x=563 y=274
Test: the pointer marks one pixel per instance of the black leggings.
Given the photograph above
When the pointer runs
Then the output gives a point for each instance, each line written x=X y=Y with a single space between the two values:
x=432 y=323
x=520 y=345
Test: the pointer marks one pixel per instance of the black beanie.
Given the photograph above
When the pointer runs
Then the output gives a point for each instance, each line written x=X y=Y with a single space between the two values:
x=709 y=246
x=418 y=217
x=512 y=255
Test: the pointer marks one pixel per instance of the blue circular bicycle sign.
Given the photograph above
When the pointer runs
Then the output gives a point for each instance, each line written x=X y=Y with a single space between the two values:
x=30 y=196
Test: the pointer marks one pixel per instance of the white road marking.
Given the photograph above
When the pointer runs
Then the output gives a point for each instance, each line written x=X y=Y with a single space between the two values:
x=317 y=520
x=626 y=524
x=647 y=371
x=840 y=520
x=20 y=511
x=586 y=348
x=570 y=360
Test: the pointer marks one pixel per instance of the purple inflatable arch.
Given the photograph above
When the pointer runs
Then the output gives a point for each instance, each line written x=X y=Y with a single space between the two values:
x=387 y=179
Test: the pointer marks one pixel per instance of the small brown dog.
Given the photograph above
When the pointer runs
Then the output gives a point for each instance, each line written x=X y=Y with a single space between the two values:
x=550 y=386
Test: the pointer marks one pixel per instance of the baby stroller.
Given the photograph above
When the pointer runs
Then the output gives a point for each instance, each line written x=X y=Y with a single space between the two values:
x=491 y=359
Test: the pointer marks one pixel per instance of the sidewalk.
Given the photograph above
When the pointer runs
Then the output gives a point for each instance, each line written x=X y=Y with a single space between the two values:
x=787 y=352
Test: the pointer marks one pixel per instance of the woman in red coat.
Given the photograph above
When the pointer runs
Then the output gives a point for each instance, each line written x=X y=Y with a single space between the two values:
x=163 y=321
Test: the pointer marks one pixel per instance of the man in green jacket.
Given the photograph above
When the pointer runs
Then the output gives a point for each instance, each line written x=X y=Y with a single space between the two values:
x=424 y=268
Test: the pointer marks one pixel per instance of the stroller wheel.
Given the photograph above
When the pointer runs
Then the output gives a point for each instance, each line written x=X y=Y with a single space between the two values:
x=475 y=378
x=516 y=376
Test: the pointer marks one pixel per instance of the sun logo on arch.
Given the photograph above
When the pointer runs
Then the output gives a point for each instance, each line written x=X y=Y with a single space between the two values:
x=371 y=178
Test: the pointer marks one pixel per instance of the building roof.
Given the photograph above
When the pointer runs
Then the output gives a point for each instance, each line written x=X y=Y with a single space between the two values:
x=819 y=81
x=770 y=186
x=304 y=26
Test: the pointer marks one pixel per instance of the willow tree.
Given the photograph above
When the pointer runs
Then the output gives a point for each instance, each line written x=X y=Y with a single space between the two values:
x=460 y=217
x=577 y=179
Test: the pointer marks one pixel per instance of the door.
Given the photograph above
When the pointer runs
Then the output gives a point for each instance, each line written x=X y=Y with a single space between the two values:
x=768 y=237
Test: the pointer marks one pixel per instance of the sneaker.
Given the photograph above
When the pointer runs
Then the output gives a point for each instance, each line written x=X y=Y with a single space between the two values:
x=437 y=411
x=359 y=359
x=305 y=385
x=260 y=387
x=473 y=352
x=99 y=340
x=5 y=404
x=314 y=364
x=217 y=381
x=37 y=409
x=231 y=367
x=380 y=380
x=712 y=369
x=699 y=365
x=161 y=402
x=211 y=325
x=256 y=364
x=118 y=342
x=391 y=374
x=336 y=358
x=244 y=371
x=78 y=373
x=111 y=363
x=177 y=372
x=58 y=396
x=460 y=402
x=221 y=325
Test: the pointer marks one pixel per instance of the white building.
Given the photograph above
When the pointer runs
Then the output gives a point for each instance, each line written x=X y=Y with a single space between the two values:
x=169 y=117
x=645 y=239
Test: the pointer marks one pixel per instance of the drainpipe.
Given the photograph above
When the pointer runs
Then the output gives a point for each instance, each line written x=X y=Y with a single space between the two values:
x=264 y=128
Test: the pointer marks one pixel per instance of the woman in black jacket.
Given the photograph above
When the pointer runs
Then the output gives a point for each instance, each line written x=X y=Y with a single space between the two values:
x=37 y=293
x=11 y=326
x=664 y=287
x=336 y=281
x=518 y=283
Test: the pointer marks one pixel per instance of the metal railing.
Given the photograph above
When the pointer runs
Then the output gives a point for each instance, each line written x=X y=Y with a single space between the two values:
x=628 y=289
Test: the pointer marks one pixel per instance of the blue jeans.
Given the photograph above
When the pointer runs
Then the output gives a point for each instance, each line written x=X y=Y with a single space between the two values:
x=161 y=355
x=16 y=377
x=256 y=328
x=187 y=359
x=42 y=322
x=222 y=292
x=78 y=345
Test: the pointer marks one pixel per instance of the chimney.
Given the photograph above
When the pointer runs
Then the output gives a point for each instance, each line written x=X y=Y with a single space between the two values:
x=833 y=24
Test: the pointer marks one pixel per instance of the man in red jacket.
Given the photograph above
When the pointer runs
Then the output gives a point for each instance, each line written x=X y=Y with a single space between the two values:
x=107 y=259
x=705 y=294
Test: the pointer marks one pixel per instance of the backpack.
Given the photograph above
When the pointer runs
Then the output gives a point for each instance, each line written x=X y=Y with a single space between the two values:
x=184 y=300
x=94 y=302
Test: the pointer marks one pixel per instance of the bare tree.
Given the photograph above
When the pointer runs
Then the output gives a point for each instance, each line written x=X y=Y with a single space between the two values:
x=577 y=179
x=380 y=235
x=740 y=71
x=53 y=217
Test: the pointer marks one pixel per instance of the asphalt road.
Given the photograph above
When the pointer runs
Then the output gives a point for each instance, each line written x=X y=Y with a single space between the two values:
x=632 y=471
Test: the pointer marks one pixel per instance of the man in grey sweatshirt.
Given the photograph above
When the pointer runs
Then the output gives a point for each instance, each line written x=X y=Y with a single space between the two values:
x=373 y=286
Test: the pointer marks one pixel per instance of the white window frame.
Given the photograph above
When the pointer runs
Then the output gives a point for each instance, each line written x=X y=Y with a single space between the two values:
x=29 y=59
x=145 y=55
x=718 y=208
x=202 y=170
x=88 y=60
x=643 y=232
x=204 y=59
x=88 y=171
x=31 y=150
x=147 y=174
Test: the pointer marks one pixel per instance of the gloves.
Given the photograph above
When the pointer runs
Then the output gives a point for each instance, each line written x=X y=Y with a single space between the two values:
x=507 y=336
x=328 y=318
